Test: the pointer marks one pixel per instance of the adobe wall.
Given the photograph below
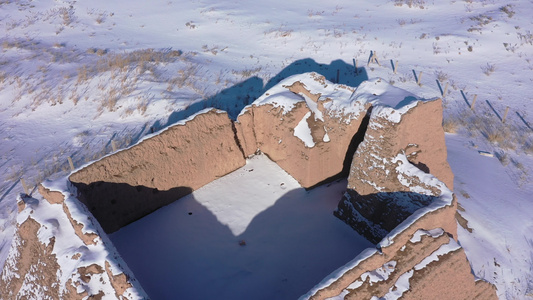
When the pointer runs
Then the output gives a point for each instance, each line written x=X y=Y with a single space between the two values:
x=449 y=277
x=393 y=170
x=270 y=129
x=129 y=184
x=33 y=269
x=418 y=134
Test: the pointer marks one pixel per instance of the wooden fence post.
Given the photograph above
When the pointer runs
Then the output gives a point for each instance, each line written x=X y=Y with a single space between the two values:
x=505 y=114
x=396 y=67
x=445 y=90
x=24 y=186
x=419 y=79
x=373 y=58
x=473 y=102
x=70 y=163
x=114 y=145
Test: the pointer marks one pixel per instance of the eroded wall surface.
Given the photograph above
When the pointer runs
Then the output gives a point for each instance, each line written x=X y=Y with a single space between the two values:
x=127 y=185
x=58 y=253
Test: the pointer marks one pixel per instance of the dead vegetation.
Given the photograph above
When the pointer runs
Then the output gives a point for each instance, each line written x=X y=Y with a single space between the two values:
x=503 y=136
x=115 y=75
x=410 y=3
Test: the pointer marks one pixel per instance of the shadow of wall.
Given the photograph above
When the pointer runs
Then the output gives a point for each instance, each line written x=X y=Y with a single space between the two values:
x=204 y=147
x=375 y=215
x=117 y=204
x=236 y=97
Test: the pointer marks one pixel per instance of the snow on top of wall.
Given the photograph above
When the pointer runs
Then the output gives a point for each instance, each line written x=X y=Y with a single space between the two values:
x=406 y=171
x=444 y=199
x=400 y=287
x=380 y=274
x=148 y=136
x=67 y=245
x=434 y=233
x=389 y=101
x=334 y=276
x=443 y=250
x=280 y=96
x=339 y=100
x=402 y=284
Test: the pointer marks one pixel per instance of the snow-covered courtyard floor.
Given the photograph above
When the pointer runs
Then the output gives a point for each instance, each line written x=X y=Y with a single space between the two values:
x=191 y=249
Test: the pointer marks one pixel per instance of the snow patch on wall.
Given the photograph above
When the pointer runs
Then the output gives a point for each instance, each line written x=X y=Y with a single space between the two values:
x=303 y=132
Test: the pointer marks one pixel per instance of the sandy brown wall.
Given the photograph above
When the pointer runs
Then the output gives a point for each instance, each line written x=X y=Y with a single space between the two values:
x=33 y=270
x=419 y=135
x=448 y=278
x=132 y=183
x=271 y=130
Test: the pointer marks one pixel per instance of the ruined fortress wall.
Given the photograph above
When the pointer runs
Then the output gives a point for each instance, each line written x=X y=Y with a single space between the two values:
x=35 y=270
x=448 y=277
x=423 y=130
x=375 y=174
x=271 y=130
x=129 y=184
x=418 y=134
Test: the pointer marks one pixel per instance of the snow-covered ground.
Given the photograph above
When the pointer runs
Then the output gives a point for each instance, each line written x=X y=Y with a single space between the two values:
x=253 y=234
x=499 y=215
x=75 y=75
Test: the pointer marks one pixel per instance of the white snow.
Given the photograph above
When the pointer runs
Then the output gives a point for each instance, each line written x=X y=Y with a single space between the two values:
x=443 y=250
x=191 y=248
x=389 y=101
x=326 y=138
x=380 y=274
x=417 y=237
x=55 y=223
x=498 y=209
x=303 y=132
x=400 y=287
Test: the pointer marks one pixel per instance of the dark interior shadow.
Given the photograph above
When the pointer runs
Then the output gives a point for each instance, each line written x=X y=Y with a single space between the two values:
x=174 y=249
x=285 y=250
x=115 y=205
x=421 y=166
x=493 y=110
x=356 y=140
x=375 y=215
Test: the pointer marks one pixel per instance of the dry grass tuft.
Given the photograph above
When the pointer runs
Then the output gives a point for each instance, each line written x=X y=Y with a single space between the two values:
x=410 y=3
x=450 y=125
x=488 y=69
x=507 y=9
